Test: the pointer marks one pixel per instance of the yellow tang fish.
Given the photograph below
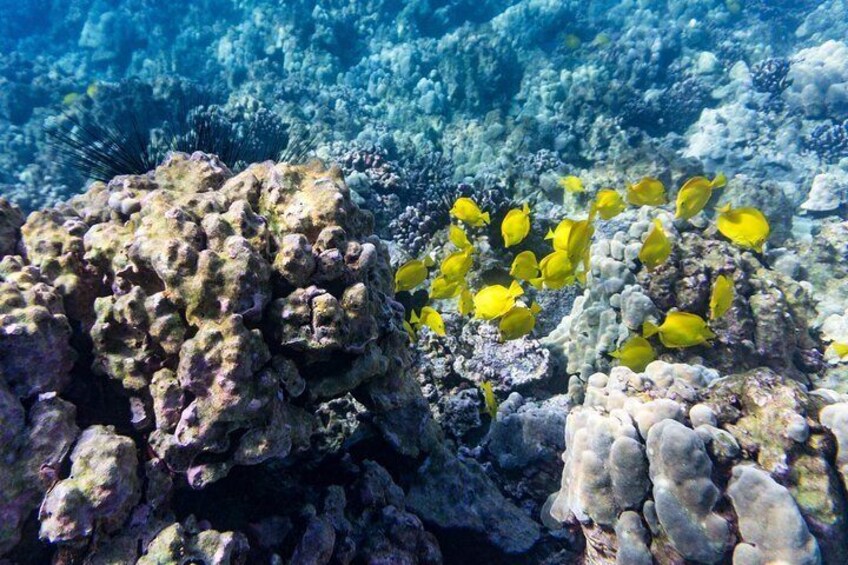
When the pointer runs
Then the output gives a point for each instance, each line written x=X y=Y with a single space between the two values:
x=442 y=288
x=429 y=317
x=579 y=241
x=410 y=275
x=516 y=323
x=458 y=237
x=721 y=298
x=465 y=304
x=489 y=399
x=525 y=266
x=680 y=329
x=695 y=193
x=70 y=98
x=456 y=265
x=746 y=227
x=635 y=353
x=467 y=210
x=572 y=41
x=656 y=248
x=571 y=184
x=608 y=203
x=602 y=40
x=561 y=234
x=647 y=192
x=556 y=271
x=841 y=349
x=516 y=225
x=496 y=300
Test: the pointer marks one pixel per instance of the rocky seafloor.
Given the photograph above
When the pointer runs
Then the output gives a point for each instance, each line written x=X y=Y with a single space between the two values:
x=206 y=361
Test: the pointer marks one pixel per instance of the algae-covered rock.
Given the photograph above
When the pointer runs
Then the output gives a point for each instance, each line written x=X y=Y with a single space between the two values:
x=215 y=316
x=100 y=492
x=180 y=543
x=33 y=448
x=35 y=352
x=207 y=279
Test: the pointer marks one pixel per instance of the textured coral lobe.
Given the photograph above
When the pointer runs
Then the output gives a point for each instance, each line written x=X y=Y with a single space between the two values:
x=226 y=310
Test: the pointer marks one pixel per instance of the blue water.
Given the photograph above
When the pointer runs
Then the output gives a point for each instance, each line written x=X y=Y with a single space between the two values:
x=473 y=81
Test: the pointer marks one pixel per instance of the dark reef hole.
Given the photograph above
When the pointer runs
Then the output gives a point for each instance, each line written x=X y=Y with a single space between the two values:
x=31 y=550
x=98 y=399
x=461 y=547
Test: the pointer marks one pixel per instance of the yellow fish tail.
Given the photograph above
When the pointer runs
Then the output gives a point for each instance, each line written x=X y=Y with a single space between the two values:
x=515 y=289
x=720 y=181
x=486 y=218
x=649 y=329
x=538 y=283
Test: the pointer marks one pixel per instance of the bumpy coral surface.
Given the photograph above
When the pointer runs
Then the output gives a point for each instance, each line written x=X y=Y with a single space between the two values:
x=215 y=313
x=679 y=463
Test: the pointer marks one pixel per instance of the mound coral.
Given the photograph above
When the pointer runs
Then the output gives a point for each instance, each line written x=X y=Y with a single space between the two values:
x=223 y=309
x=678 y=463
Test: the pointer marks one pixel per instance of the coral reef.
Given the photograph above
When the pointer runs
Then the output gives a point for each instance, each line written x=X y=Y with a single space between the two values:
x=228 y=311
x=767 y=326
x=681 y=463
x=203 y=356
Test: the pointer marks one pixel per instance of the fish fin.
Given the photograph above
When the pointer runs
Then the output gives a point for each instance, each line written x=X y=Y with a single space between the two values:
x=720 y=181
x=649 y=329
x=535 y=308
x=515 y=289
x=526 y=208
x=538 y=283
x=428 y=261
x=593 y=211
x=550 y=234
x=724 y=209
x=486 y=218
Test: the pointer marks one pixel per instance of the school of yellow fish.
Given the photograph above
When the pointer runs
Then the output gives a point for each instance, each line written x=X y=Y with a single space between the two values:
x=568 y=263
